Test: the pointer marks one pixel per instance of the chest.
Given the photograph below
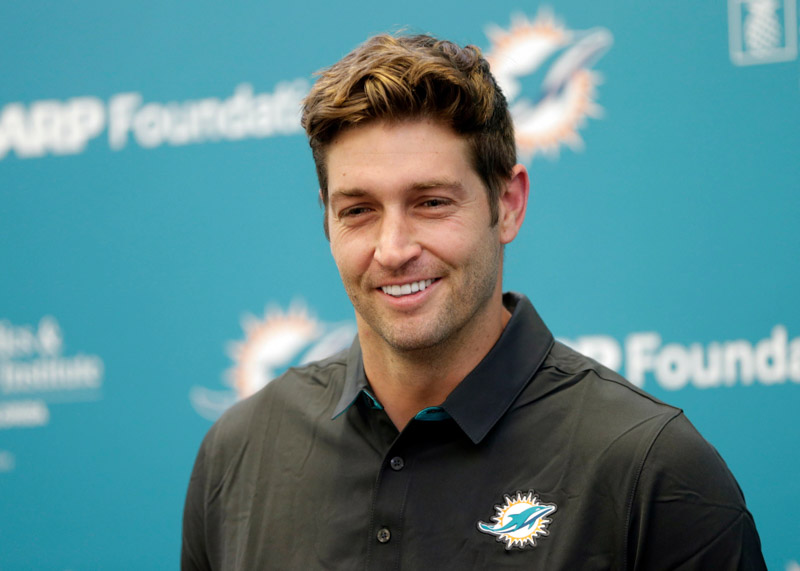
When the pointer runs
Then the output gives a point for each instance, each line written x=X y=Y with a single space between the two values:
x=430 y=498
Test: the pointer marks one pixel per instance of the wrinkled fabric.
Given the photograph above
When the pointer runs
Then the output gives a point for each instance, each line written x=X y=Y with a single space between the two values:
x=310 y=473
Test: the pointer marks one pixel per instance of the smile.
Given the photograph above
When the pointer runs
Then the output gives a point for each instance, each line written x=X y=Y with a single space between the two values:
x=406 y=289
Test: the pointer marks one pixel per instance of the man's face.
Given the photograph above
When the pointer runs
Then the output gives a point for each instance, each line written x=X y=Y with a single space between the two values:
x=410 y=233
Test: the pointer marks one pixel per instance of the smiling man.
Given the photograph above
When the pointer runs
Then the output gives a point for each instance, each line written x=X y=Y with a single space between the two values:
x=455 y=433
x=419 y=255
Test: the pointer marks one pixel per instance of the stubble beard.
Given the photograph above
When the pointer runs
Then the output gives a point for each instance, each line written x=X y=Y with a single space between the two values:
x=453 y=320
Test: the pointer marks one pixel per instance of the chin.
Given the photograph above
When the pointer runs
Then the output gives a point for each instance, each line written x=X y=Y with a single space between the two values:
x=409 y=345
x=416 y=341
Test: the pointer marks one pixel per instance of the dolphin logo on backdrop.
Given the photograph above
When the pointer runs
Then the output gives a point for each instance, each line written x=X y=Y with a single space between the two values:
x=542 y=55
x=273 y=343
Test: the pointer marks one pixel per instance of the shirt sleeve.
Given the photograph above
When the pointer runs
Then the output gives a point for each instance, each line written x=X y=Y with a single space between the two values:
x=687 y=511
x=193 y=547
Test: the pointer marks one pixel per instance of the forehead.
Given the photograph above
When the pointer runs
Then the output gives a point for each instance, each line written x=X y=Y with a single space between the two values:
x=406 y=153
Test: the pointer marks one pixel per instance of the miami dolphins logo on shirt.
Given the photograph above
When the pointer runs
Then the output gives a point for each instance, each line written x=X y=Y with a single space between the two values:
x=520 y=520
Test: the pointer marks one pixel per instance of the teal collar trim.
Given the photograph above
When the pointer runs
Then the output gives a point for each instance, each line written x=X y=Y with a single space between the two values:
x=432 y=413
x=489 y=390
x=373 y=402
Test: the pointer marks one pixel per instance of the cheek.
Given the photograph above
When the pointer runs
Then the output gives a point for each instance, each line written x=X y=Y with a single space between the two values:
x=459 y=240
x=352 y=257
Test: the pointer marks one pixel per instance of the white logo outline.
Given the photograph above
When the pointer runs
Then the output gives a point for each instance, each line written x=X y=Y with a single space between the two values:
x=520 y=520
x=272 y=343
x=568 y=90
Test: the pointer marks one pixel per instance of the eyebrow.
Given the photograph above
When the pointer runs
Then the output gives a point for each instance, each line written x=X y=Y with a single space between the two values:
x=444 y=183
x=349 y=192
x=416 y=187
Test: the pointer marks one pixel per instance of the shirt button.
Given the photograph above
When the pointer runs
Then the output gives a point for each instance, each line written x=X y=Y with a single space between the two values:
x=384 y=535
x=397 y=463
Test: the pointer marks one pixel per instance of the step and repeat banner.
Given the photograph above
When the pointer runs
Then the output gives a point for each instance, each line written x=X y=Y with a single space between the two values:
x=162 y=252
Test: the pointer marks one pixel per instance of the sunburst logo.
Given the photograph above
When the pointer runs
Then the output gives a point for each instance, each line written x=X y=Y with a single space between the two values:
x=271 y=344
x=520 y=520
x=543 y=54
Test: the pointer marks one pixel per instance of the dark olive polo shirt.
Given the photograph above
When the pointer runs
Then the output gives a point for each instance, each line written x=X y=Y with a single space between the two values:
x=540 y=459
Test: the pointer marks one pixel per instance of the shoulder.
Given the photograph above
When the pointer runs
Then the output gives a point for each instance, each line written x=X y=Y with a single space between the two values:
x=676 y=444
x=675 y=447
x=599 y=391
x=681 y=459
x=588 y=415
x=687 y=510
x=602 y=419
x=668 y=442
x=229 y=459
x=684 y=507
x=308 y=390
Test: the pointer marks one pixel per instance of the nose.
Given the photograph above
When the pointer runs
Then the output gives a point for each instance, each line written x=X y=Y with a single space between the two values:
x=396 y=244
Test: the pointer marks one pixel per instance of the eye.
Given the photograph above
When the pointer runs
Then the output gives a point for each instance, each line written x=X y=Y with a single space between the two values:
x=353 y=211
x=435 y=202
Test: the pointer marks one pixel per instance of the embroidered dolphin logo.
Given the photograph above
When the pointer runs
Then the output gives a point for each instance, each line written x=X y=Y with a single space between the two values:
x=519 y=521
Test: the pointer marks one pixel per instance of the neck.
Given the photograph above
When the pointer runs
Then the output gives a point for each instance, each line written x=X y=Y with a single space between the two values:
x=406 y=382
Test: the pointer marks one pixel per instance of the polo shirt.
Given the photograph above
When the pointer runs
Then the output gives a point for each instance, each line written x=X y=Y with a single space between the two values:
x=540 y=458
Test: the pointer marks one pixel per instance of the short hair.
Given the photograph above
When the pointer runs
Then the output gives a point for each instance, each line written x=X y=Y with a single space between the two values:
x=399 y=77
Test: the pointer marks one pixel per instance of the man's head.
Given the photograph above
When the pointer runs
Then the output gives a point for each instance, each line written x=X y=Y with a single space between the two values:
x=396 y=78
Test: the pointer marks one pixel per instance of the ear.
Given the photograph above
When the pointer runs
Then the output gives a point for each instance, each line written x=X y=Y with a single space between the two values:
x=512 y=204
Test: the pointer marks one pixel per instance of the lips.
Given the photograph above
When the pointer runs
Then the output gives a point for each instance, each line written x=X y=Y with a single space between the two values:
x=399 y=290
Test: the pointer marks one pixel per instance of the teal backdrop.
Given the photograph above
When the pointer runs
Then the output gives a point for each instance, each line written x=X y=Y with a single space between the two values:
x=162 y=255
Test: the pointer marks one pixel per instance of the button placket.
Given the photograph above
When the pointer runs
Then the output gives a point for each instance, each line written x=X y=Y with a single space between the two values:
x=387 y=527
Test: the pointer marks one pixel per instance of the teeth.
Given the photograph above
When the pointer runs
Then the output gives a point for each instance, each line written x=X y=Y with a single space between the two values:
x=406 y=289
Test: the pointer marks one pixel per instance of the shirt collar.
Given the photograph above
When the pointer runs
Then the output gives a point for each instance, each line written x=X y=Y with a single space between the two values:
x=488 y=391
x=355 y=380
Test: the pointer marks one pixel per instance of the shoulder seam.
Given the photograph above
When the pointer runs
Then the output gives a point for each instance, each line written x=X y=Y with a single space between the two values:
x=318 y=365
x=634 y=487
x=619 y=382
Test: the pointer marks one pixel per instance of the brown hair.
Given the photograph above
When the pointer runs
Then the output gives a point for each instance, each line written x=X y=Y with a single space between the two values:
x=393 y=78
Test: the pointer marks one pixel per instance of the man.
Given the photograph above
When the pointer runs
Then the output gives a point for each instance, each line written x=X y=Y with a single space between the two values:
x=455 y=433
